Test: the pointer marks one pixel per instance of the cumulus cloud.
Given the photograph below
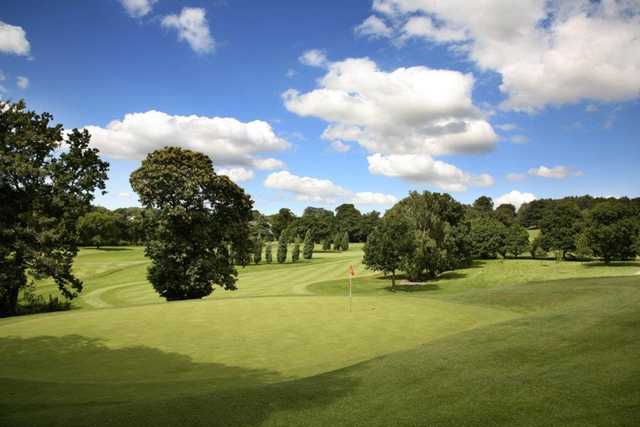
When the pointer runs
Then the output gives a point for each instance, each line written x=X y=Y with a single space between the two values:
x=373 y=27
x=514 y=198
x=137 y=8
x=424 y=169
x=309 y=189
x=314 y=58
x=556 y=172
x=368 y=198
x=408 y=110
x=22 y=82
x=237 y=174
x=192 y=27
x=547 y=52
x=228 y=141
x=306 y=188
x=13 y=39
x=340 y=146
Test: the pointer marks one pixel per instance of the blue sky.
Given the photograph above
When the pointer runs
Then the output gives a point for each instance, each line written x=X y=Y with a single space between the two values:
x=537 y=102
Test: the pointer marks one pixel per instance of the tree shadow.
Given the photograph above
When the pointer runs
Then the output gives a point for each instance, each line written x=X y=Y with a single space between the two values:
x=111 y=248
x=414 y=288
x=76 y=380
x=612 y=264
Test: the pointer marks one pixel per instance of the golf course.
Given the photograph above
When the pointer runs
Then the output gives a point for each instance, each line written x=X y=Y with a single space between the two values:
x=516 y=341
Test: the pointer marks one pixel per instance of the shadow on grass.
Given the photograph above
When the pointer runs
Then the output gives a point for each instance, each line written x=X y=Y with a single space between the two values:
x=612 y=264
x=414 y=288
x=75 y=380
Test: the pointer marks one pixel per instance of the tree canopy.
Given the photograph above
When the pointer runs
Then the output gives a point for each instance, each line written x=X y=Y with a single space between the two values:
x=199 y=223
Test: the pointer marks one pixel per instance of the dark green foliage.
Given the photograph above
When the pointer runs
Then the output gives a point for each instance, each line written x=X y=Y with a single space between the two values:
x=317 y=220
x=536 y=248
x=583 y=247
x=517 y=240
x=390 y=246
x=308 y=245
x=506 y=214
x=282 y=248
x=268 y=253
x=257 y=250
x=281 y=221
x=98 y=228
x=43 y=192
x=349 y=219
x=199 y=226
x=613 y=229
x=295 y=253
x=369 y=222
x=439 y=233
x=260 y=226
x=560 y=225
x=483 y=204
x=337 y=242
x=488 y=236
x=326 y=245
x=344 y=245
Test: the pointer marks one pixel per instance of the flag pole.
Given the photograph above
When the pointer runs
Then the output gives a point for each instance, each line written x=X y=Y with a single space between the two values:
x=350 y=273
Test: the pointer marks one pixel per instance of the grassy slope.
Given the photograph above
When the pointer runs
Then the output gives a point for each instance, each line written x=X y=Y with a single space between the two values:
x=495 y=344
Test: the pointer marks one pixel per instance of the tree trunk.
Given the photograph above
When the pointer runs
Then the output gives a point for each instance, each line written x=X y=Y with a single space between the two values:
x=393 y=280
x=13 y=273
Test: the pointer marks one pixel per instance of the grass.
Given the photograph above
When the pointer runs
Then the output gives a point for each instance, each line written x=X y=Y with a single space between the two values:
x=522 y=342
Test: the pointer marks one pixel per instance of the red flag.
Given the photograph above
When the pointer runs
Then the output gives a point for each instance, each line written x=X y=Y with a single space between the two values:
x=352 y=272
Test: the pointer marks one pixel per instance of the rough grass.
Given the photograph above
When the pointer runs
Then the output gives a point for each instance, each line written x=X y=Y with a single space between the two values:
x=519 y=342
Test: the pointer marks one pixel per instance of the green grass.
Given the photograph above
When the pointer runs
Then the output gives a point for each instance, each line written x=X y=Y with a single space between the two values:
x=514 y=342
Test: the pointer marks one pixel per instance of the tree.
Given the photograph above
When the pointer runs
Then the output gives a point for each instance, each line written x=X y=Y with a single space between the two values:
x=483 y=204
x=344 y=242
x=506 y=214
x=282 y=248
x=389 y=246
x=308 y=245
x=488 y=236
x=281 y=221
x=560 y=225
x=319 y=220
x=44 y=188
x=349 y=219
x=337 y=242
x=439 y=228
x=368 y=223
x=257 y=250
x=517 y=240
x=326 y=245
x=613 y=230
x=98 y=227
x=268 y=253
x=536 y=248
x=295 y=253
x=200 y=223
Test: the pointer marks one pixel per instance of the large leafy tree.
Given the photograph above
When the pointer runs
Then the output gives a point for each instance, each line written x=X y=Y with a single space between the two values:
x=281 y=221
x=45 y=186
x=560 y=225
x=308 y=245
x=439 y=231
x=98 y=227
x=516 y=240
x=506 y=213
x=613 y=230
x=483 y=204
x=389 y=246
x=488 y=237
x=349 y=219
x=199 y=223
x=281 y=255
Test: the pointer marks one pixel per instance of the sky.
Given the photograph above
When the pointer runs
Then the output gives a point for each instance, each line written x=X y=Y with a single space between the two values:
x=319 y=103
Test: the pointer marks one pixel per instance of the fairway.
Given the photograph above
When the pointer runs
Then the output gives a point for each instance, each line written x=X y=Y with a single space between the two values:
x=515 y=341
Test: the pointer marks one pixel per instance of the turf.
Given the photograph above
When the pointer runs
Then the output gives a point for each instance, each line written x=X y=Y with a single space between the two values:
x=518 y=342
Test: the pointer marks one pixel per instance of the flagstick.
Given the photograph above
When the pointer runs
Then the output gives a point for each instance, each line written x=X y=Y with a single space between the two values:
x=350 y=296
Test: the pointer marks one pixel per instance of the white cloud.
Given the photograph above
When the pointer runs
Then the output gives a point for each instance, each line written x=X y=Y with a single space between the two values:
x=138 y=8
x=557 y=172
x=124 y=195
x=514 y=198
x=507 y=127
x=405 y=111
x=373 y=27
x=228 y=141
x=547 y=52
x=309 y=189
x=13 y=39
x=591 y=108
x=368 y=198
x=518 y=139
x=237 y=174
x=192 y=27
x=314 y=58
x=513 y=177
x=306 y=188
x=424 y=169
x=340 y=146
x=22 y=82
